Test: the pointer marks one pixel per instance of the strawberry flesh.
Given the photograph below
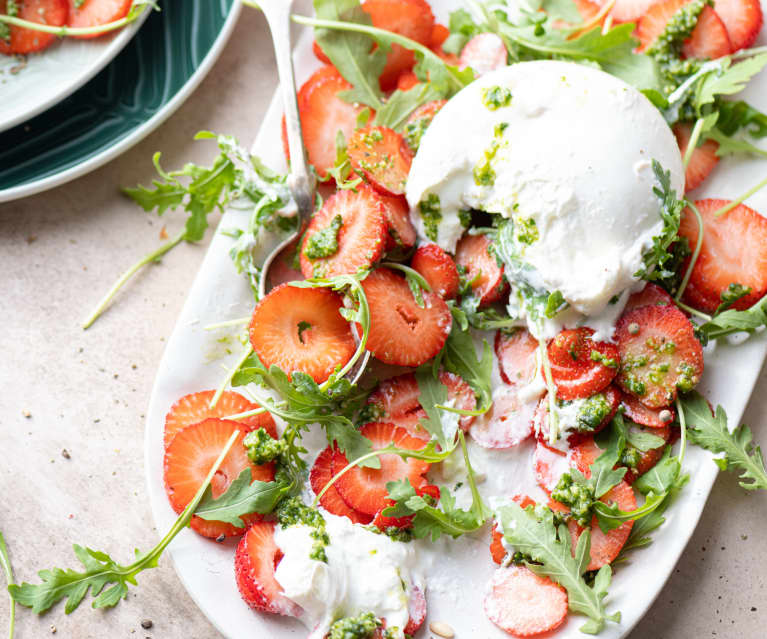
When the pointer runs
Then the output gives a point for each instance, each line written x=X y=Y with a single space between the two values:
x=482 y=269
x=581 y=366
x=382 y=156
x=438 y=269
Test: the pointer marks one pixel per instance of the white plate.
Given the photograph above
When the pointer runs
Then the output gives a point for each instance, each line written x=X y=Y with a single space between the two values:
x=206 y=568
x=51 y=75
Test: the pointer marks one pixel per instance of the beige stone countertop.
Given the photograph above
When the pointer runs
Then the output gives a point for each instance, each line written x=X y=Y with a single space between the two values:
x=85 y=392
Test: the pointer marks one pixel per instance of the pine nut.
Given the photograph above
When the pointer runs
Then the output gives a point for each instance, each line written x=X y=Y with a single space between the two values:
x=442 y=629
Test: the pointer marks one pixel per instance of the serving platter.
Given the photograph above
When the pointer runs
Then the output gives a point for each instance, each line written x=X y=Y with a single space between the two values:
x=193 y=361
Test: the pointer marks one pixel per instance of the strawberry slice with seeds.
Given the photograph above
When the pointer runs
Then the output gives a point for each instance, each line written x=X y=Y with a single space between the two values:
x=323 y=114
x=482 y=269
x=743 y=20
x=581 y=366
x=650 y=295
x=549 y=465
x=402 y=332
x=22 y=41
x=438 y=269
x=407 y=80
x=348 y=233
x=364 y=489
x=648 y=458
x=410 y=18
x=604 y=546
x=523 y=604
x=484 y=53
x=195 y=407
x=507 y=424
x=255 y=561
x=301 y=329
x=630 y=10
x=319 y=477
x=638 y=413
x=516 y=353
x=401 y=232
x=659 y=354
x=419 y=121
x=709 y=38
x=417 y=609
x=703 y=159
x=382 y=156
x=94 y=13
x=734 y=251
x=320 y=54
x=188 y=461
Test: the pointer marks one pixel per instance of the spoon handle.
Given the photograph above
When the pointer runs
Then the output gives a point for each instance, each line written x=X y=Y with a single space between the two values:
x=301 y=181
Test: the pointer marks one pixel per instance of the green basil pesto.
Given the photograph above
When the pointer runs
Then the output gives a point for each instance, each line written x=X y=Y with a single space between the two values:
x=324 y=243
x=496 y=97
x=464 y=217
x=687 y=377
x=362 y=627
x=262 y=448
x=484 y=174
x=525 y=230
x=609 y=362
x=592 y=413
x=431 y=213
x=630 y=457
x=577 y=496
x=293 y=512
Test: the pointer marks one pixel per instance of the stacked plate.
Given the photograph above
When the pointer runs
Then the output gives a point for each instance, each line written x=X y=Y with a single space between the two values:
x=80 y=103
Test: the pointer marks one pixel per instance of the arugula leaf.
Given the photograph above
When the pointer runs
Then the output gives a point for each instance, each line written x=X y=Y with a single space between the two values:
x=733 y=321
x=710 y=432
x=730 y=295
x=441 y=424
x=533 y=533
x=643 y=440
x=610 y=517
x=604 y=475
x=241 y=498
x=727 y=78
x=401 y=104
x=100 y=570
x=729 y=145
x=736 y=115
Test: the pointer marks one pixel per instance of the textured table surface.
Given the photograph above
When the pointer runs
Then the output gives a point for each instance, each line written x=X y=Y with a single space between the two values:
x=85 y=392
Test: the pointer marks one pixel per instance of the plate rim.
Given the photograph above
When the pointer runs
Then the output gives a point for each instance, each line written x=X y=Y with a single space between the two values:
x=140 y=132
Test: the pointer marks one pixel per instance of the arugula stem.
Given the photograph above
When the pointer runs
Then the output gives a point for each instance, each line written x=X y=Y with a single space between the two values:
x=698 y=244
x=64 y=31
x=552 y=388
x=477 y=505
x=226 y=324
x=683 y=428
x=693 y=141
x=5 y=562
x=225 y=382
x=152 y=257
x=693 y=311
x=741 y=199
x=411 y=272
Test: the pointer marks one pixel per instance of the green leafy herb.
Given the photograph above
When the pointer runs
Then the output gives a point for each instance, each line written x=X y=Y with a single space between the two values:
x=555 y=303
x=732 y=321
x=399 y=107
x=736 y=115
x=5 y=564
x=533 y=533
x=341 y=172
x=730 y=295
x=709 y=431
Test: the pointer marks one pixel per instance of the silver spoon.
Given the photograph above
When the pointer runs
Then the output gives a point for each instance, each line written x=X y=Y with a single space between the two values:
x=300 y=181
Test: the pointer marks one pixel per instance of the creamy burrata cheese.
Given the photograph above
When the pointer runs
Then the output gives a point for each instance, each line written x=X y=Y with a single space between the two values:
x=563 y=150
x=365 y=572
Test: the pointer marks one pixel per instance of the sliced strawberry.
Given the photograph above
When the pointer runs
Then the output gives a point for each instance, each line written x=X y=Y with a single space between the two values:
x=320 y=54
x=648 y=458
x=630 y=10
x=611 y=395
x=651 y=294
x=523 y=604
x=485 y=52
x=703 y=159
x=585 y=454
x=360 y=239
x=382 y=156
x=401 y=233
x=497 y=549
x=410 y=18
x=606 y=546
x=364 y=489
x=255 y=561
x=401 y=332
x=407 y=80
x=743 y=20
x=439 y=33
x=659 y=354
x=94 y=13
x=438 y=269
x=188 y=460
x=195 y=407
x=319 y=477
x=396 y=399
x=323 y=114
x=508 y=422
x=549 y=464
x=419 y=121
x=382 y=522
x=417 y=609
x=580 y=366
x=709 y=38
x=638 y=413
x=516 y=353
x=482 y=269
x=301 y=329
x=734 y=250
x=51 y=12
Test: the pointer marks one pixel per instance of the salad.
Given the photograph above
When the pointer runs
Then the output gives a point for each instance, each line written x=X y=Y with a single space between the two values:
x=502 y=225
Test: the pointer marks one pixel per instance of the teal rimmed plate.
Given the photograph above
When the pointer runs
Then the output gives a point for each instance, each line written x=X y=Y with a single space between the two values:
x=133 y=95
